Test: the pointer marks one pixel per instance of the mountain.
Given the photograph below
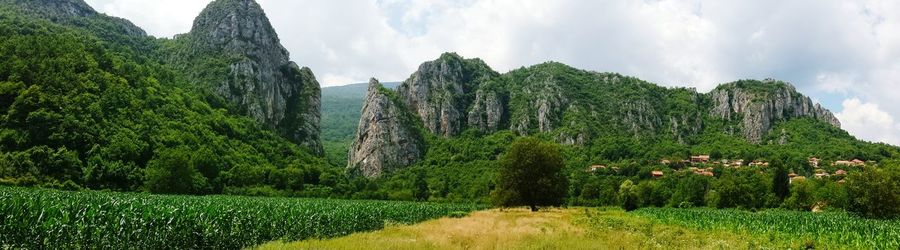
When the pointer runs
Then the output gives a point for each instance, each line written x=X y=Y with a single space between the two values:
x=387 y=135
x=604 y=117
x=90 y=101
x=233 y=49
x=341 y=106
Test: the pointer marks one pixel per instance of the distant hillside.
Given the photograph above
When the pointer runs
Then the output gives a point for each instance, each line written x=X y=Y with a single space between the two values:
x=340 y=116
x=352 y=91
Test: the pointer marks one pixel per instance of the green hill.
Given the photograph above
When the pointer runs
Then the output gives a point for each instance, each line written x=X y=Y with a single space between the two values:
x=89 y=101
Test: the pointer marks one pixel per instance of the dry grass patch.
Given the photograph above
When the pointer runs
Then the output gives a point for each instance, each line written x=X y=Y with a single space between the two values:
x=583 y=228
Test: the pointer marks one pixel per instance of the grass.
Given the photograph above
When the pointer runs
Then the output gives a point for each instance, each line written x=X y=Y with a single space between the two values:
x=581 y=228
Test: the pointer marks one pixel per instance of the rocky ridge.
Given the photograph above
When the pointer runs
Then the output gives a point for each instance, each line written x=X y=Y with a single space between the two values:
x=259 y=78
x=386 y=138
x=441 y=91
x=756 y=111
x=452 y=94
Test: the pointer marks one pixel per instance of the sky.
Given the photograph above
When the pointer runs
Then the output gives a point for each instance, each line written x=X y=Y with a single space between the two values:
x=843 y=54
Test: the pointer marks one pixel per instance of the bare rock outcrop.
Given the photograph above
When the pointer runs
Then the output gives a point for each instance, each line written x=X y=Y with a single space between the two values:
x=758 y=105
x=256 y=74
x=386 y=138
x=440 y=92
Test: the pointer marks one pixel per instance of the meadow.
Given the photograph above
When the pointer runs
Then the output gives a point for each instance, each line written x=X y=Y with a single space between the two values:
x=40 y=219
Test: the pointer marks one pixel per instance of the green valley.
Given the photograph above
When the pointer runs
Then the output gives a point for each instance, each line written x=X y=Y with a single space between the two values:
x=216 y=139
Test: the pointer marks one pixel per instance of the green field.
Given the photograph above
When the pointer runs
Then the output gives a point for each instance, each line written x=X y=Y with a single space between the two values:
x=832 y=229
x=40 y=219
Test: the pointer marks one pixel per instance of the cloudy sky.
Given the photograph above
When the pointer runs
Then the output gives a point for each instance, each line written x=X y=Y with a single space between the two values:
x=844 y=54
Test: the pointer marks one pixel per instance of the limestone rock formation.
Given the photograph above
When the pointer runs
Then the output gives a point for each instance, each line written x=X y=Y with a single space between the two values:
x=386 y=138
x=757 y=106
x=545 y=107
x=488 y=111
x=440 y=92
x=233 y=48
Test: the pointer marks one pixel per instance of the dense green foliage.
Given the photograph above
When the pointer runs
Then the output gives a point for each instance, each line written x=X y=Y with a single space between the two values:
x=875 y=193
x=35 y=219
x=80 y=108
x=835 y=229
x=531 y=174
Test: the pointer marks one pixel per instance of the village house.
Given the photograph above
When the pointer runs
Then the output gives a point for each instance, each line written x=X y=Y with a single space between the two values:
x=665 y=162
x=594 y=168
x=699 y=158
x=759 y=164
x=657 y=174
x=840 y=172
x=841 y=163
x=857 y=162
x=813 y=161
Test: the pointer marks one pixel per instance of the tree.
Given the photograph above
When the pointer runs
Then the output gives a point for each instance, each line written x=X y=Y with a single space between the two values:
x=421 y=191
x=170 y=172
x=531 y=175
x=628 y=195
x=781 y=183
x=874 y=192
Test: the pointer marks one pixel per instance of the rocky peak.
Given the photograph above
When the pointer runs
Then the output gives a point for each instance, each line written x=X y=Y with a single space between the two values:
x=441 y=91
x=261 y=81
x=238 y=26
x=386 y=138
x=757 y=105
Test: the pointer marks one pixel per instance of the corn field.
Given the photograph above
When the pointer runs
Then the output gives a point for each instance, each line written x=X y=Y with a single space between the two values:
x=838 y=230
x=46 y=219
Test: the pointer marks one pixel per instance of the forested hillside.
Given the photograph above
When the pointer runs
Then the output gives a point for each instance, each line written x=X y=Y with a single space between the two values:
x=89 y=102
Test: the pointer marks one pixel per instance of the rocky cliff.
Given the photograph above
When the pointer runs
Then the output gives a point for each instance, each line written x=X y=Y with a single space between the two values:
x=386 y=138
x=756 y=106
x=234 y=49
x=441 y=91
x=576 y=107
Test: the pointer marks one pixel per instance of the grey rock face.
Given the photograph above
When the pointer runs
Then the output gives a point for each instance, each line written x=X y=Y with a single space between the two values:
x=545 y=110
x=757 y=111
x=260 y=80
x=385 y=139
x=439 y=92
x=488 y=111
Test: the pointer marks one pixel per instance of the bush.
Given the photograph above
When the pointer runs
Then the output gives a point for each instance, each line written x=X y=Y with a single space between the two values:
x=875 y=193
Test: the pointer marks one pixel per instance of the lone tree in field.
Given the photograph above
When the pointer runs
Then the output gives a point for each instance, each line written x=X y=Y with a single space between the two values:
x=531 y=175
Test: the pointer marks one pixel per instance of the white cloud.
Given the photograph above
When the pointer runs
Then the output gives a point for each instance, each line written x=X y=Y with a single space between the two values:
x=161 y=18
x=830 y=49
x=867 y=121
